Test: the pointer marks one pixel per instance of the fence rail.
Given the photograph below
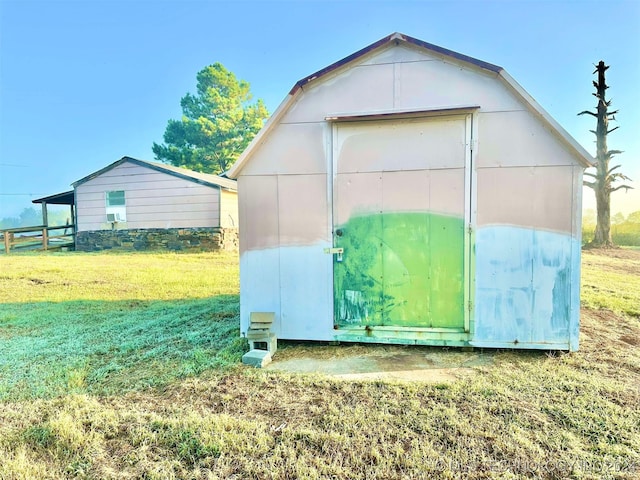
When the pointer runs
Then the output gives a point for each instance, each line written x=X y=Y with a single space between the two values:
x=39 y=237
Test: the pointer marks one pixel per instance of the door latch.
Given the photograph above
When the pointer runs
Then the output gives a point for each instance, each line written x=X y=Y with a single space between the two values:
x=337 y=251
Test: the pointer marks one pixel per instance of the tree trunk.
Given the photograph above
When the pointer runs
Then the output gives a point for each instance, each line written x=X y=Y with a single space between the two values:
x=602 y=236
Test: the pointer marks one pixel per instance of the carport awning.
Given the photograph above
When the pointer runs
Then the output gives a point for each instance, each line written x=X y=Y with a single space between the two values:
x=65 y=198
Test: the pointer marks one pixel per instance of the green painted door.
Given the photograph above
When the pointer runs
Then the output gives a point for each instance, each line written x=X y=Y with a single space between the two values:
x=399 y=215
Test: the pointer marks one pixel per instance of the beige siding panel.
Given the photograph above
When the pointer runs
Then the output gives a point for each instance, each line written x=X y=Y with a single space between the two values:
x=530 y=197
x=513 y=139
x=446 y=191
x=399 y=54
x=437 y=191
x=578 y=172
x=258 y=212
x=388 y=145
x=183 y=209
x=357 y=89
x=406 y=191
x=438 y=84
x=357 y=194
x=228 y=209
x=153 y=200
x=291 y=149
x=167 y=183
x=159 y=201
x=302 y=203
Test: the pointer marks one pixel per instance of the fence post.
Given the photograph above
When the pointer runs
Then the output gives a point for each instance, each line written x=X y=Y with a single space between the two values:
x=7 y=242
x=45 y=239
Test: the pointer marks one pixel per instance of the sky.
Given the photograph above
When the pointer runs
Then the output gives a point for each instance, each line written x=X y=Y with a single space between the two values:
x=84 y=83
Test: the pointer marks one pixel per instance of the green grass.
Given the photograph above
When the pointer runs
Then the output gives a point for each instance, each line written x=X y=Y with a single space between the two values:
x=82 y=323
x=611 y=280
x=102 y=381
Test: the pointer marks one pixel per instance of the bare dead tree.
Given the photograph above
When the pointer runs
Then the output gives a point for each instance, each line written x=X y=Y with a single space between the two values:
x=605 y=177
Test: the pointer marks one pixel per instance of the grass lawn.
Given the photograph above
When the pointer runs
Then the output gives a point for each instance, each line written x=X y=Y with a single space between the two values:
x=127 y=366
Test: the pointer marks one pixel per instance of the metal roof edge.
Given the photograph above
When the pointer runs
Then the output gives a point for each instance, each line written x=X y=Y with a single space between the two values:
x=53 y=198
x=239 y=164
x=578 y=150
x=97 y=173
x=161 y=168
x=395 y=37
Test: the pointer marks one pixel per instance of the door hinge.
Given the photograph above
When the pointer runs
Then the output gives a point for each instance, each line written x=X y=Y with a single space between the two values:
x=469 y=305
x=469 y=229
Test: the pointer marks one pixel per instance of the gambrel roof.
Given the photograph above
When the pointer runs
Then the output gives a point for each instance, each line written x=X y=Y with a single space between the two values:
x=576 y=150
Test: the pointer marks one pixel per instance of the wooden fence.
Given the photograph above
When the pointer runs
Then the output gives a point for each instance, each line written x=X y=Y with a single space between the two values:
x=40 y=237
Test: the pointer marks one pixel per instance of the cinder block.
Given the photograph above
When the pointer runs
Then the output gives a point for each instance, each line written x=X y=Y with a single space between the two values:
x=257 y=358
x=263 y=341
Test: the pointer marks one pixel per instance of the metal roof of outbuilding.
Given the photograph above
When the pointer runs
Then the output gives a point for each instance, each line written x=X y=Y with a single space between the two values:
x=64 y=198
x=197 y=177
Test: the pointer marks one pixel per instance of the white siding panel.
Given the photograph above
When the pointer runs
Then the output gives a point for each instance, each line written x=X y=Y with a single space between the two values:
x=514 y=139
x=306 y=292
x=358 y=89
x=260 y=285
x=438 y=84
x=291 y=149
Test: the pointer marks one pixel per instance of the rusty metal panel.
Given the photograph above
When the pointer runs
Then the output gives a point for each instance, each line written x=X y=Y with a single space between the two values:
x=532 y=197
x=517 y=138
x=439 y=83
x=356 y=89
x=291 y=149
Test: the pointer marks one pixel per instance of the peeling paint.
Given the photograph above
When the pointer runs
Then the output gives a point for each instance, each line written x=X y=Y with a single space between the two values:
x=402 y=269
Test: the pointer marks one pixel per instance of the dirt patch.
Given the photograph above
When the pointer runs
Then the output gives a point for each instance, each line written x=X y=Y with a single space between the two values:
x=616 y=260
x=617 y=252
x=374 y=362
x=630 y=340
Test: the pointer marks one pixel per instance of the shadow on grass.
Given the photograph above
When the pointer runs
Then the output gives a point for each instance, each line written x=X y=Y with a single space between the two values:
x=51 y=349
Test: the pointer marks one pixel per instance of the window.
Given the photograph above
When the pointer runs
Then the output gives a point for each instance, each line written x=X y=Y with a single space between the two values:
x=116 y=209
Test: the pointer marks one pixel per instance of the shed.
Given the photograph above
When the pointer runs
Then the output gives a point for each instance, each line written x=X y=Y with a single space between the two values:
x=410 y=194
x=137 y=204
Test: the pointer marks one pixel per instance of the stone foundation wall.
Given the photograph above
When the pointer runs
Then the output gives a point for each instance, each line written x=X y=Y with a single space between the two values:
x=172 y=239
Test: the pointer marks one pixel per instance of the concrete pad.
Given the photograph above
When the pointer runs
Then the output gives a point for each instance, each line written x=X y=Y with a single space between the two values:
x=433 y=365
x=257 y=358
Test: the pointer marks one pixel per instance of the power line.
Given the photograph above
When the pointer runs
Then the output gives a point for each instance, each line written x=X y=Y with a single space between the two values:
x=14 y=165
x=20 y=194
